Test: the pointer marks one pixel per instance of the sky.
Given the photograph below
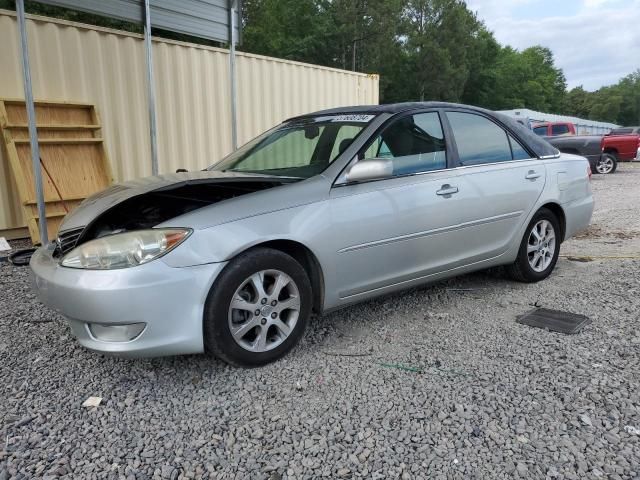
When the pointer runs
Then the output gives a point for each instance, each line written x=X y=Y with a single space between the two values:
x=595 y=42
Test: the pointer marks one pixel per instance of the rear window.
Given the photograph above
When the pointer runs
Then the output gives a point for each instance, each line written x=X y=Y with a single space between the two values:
x=559 y=129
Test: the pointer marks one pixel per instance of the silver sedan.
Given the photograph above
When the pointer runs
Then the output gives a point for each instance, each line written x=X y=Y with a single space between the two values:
x=323 y=211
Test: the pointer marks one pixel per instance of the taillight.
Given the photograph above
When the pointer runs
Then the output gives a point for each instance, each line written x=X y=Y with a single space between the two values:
x=602 y=144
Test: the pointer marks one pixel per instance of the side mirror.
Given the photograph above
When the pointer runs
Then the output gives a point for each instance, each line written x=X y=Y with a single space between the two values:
x=370 y=169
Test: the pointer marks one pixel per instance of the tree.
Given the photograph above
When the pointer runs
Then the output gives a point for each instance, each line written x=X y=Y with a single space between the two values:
x=439 y=35
x=292 y=29
x=619 y=103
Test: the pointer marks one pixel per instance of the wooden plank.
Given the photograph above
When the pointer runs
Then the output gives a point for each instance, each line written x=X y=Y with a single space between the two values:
x=55 y=126
x=24 y=182
x=47 y=103
x=46 y=114
x=60 y=141
x=95 y=115
x=23 y=133
x=53 y=225
x=54 y=208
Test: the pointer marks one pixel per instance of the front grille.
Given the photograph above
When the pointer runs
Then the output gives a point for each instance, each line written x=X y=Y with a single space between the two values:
x=66 y=241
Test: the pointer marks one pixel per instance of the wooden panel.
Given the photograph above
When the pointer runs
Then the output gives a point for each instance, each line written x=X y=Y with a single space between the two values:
x=23 y=133
x=73 y=158
x=53 y=225
x=48 y=112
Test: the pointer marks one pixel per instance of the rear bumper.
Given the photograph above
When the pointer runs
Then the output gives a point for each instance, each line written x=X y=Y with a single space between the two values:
x=578 y=215
x=168 y=301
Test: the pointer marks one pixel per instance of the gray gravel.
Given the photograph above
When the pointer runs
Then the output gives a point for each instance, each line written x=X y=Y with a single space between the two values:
x=438 y=382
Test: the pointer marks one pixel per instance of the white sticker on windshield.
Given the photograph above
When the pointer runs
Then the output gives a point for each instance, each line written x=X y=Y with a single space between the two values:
x=351 y=118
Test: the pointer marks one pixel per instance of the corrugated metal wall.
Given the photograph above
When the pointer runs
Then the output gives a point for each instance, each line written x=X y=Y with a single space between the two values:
x=76 y=62
x=583 y=126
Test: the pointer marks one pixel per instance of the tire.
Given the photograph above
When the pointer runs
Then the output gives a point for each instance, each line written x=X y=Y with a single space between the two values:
x=607 y=164
x=264 y=331
x=522 y=269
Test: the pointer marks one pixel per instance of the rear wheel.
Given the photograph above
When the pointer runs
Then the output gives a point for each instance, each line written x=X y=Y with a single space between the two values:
x=607 y=163
x=539 y=249
x=257 y=309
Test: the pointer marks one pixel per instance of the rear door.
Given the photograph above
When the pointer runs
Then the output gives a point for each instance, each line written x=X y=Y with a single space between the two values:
x=499 y=183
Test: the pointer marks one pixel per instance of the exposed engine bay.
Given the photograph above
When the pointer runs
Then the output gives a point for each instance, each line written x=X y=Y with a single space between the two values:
x=152 y=208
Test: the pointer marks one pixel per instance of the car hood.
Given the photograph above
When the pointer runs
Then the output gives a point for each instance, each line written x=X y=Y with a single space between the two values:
x=96 y=205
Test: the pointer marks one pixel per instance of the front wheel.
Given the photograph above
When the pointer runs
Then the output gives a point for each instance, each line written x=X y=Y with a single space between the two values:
x=257 y=309
x=607 y=164
x=539 y=249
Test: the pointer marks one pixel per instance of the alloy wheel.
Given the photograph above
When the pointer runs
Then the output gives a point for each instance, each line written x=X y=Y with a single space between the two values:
x=541 y=246
x=264 y=310
x=605 y=165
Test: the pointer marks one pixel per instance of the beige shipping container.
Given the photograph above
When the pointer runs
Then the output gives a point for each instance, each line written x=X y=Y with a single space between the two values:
x=105 y=67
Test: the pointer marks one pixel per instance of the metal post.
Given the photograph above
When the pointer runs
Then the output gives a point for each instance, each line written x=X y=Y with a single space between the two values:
x=232 y=73
x=151 y=89
x=31 y=116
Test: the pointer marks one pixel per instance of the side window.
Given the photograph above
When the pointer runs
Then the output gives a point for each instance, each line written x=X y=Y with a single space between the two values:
x=415 y=143
x=478 y=139
x=559 y=129
x=542 y=131
x=519 y=153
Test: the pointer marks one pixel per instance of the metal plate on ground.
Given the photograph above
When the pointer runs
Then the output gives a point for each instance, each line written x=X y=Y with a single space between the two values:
x=555 y=320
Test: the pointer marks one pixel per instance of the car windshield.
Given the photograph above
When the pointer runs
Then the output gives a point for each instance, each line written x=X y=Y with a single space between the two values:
x=299 y=149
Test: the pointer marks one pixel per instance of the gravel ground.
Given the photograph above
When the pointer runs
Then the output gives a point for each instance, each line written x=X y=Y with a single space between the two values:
x=438 y=382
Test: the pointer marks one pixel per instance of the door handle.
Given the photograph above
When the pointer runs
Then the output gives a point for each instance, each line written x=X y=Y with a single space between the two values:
x=532 y=175
x=447 y=189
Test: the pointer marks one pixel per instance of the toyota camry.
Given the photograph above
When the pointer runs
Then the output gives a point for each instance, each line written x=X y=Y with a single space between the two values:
x=323 y=211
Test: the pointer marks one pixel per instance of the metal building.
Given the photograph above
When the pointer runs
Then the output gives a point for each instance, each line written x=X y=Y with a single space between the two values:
x=583 y=127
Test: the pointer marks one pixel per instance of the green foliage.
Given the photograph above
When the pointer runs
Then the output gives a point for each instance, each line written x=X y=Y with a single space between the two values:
x=619 y=103
x=527 y=79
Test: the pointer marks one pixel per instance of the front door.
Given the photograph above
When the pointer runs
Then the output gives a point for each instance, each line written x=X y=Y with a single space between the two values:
x=395 y=230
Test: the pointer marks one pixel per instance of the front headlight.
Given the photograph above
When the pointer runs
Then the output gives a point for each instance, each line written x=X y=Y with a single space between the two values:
x=124 y=250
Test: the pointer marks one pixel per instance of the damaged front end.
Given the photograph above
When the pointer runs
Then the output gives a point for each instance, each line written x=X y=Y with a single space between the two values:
x=138 y=210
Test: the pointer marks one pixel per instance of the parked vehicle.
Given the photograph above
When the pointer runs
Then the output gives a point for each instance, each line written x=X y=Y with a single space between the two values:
x=623 y=143
x=625 y=131
x=552 y=129
x=590 y=147
x=324 y=210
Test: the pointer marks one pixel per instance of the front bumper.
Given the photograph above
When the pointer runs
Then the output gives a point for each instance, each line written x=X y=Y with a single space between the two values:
x=168 y=300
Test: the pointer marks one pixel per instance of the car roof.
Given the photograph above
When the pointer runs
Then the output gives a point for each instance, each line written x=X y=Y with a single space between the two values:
x=386 y=108
x=538 y=145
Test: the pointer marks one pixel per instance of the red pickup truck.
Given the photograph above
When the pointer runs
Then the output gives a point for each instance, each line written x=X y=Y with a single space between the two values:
x=553 y=129
x=623 y=143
